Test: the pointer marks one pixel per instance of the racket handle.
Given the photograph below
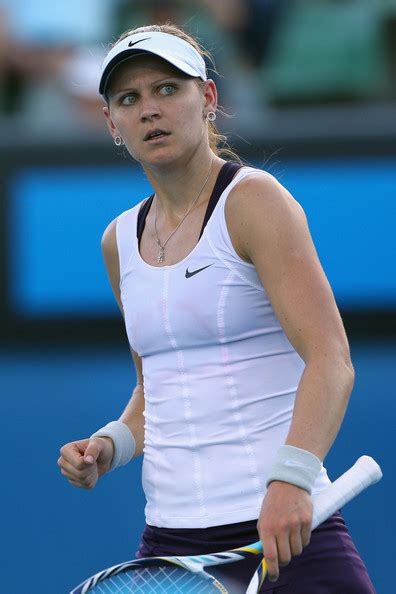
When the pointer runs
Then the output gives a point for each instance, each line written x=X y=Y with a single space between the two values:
x=362 y=474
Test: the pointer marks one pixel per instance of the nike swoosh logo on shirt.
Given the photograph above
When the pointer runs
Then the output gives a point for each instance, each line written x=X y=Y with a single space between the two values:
x=190 y=274
x=131 y=43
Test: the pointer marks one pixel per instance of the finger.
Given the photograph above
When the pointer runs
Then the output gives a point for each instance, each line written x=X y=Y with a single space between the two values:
x=78 y=484
x=73 y=453
x=70 y=471
x=76 y=463
x=271 y=557
x=82 y=481
x=93 y=450
x=296 y=546
x=306 y=534
x=283 y=544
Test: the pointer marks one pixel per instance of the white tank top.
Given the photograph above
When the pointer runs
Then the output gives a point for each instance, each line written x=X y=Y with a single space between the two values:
x=220 y=377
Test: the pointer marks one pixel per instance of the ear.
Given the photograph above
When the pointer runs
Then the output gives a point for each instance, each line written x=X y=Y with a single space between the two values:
x=110 y=124
x=210 y=96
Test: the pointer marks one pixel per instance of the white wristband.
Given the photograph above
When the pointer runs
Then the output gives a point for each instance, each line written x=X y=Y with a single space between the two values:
x=295 y=466
x=123 y=440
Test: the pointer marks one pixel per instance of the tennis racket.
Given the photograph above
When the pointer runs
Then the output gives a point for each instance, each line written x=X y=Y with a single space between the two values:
x=186 y=575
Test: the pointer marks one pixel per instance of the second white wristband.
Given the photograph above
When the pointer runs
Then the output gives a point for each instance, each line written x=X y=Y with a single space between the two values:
x=123 y=440
x=295 y=466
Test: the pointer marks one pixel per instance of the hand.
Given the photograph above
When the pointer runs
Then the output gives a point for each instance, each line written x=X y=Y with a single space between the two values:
x=83 y=462
x=284 y=525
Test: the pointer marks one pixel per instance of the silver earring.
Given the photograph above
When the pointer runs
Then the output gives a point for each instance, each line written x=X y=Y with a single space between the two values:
x=118 y=141
x=211 y=116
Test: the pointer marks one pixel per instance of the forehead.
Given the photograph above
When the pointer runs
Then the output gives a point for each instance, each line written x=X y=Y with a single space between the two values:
x=139 y=68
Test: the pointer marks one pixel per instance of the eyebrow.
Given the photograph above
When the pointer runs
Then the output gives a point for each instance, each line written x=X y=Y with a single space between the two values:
x=153 y=84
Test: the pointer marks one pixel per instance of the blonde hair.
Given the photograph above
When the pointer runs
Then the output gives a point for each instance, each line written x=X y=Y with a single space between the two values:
x=217 y=142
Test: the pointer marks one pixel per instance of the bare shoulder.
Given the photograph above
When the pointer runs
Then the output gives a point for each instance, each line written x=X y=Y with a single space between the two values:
x=258 y=207
x=109 y=241
x=261 y=193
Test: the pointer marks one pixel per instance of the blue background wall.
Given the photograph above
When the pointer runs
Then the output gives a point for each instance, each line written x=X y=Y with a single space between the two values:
x=58 y=215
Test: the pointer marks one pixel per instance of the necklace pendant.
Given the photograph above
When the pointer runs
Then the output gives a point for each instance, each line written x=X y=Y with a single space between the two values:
x=161 y=255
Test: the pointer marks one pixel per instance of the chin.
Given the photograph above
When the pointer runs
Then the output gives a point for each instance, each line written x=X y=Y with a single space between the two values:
x=161 y=157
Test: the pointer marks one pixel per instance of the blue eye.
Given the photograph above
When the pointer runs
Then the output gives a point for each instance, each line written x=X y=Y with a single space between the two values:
x=168 y=89
x=128 y=99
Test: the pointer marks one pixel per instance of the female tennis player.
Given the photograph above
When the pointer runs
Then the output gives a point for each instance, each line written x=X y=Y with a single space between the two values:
x=243 y=365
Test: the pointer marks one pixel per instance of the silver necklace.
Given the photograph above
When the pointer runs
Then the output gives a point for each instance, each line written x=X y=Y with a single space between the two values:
x=161 y=253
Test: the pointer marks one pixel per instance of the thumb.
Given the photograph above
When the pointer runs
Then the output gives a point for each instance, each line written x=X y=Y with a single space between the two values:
x=93 y=450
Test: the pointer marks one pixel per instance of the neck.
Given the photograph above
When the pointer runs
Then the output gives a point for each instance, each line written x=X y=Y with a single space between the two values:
x=177 y=187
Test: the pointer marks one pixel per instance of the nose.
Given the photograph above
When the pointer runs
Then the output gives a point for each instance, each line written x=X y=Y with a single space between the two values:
x=149 y=109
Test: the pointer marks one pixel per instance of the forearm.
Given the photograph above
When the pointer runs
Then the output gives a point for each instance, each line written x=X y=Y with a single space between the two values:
x=320 y=405
x=134 y=418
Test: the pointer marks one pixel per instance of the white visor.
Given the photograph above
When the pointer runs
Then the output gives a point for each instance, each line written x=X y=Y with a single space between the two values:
x=171 y=48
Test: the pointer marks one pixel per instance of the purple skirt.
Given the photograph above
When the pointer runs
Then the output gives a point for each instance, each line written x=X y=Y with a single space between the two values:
x=330 y=564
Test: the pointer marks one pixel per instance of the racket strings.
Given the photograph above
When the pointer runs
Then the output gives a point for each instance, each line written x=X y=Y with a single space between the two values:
x=156 y=580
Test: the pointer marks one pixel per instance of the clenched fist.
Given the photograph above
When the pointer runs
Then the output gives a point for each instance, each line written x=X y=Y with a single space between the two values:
x=83 y=462
x=284 y=524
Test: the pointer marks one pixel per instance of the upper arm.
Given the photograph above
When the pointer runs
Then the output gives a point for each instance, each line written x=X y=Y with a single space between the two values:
x=269 y=228
x=111 y=260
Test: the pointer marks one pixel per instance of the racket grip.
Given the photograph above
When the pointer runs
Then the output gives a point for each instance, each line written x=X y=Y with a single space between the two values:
x=362 y=474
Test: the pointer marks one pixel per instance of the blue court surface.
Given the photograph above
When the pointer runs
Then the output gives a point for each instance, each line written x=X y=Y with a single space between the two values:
x=54 y=535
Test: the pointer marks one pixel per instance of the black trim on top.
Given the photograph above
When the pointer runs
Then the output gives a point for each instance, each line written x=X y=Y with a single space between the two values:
x=143 y=212
x=224 y=177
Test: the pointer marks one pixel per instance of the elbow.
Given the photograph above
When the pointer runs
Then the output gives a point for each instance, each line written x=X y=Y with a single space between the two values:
x=348 y=365
x=350 y=374
x=346 y=373
x=337 y=367
x=343 y=365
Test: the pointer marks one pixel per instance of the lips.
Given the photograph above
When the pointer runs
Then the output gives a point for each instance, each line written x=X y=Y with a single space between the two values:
x=157 y=133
